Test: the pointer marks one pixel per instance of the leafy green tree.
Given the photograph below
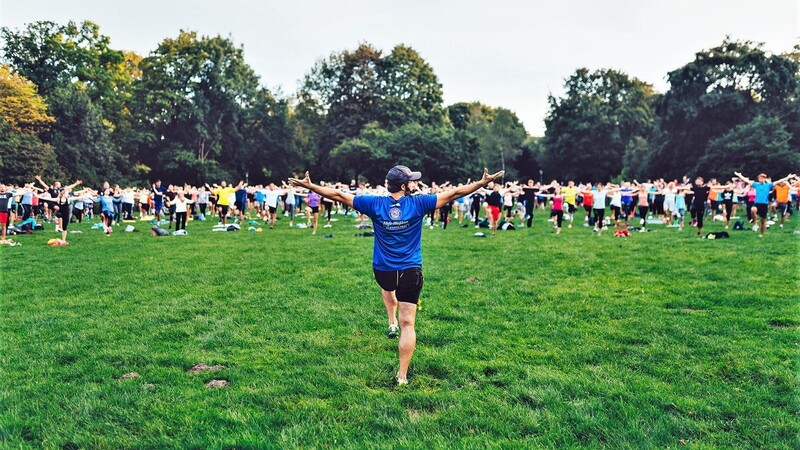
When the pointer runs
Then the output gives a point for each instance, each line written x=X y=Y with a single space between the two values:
x=194 y=92
x=499 y=134
x=762 y=144
x=723 y=88
x=412 y=91
x=81 y=138
x=589 y=129
x=350 y=89
x=271 y=149
x=363 y=156
x=53 y=56
x=526 y=163
x=500 y=139
x=24 y=155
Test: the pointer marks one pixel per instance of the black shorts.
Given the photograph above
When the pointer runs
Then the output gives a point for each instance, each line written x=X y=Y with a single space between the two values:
x=223 y=210
x=272 y=209
x=407 y=283
x=238 y=205
x=761 y=209
x=571 y=208
x=782 y=208
x=314 y=209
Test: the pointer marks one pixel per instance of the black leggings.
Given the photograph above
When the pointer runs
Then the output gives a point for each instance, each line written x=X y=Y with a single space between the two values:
x=127 y=211
x=529 y=207
x=328 y=209
x=203 y=208
x=180 y=221
x=475 y=210
x=643 y=214
x=444 y=215
x=559 y=215
x=700 y=214
x=599 y=214
x=728 y=209
x=27 y=211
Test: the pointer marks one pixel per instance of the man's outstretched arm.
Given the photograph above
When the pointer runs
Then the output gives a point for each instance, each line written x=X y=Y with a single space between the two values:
x=333 y=194
x=447 y=197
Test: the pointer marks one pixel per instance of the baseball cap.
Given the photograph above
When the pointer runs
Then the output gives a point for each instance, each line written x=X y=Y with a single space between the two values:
x=401 y=174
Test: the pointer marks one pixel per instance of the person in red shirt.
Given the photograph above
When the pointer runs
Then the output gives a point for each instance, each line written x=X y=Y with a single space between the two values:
x=588 y=201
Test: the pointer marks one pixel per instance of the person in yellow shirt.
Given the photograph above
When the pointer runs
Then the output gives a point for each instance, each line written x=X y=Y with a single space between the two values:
x=223 y=193
x=570 y=193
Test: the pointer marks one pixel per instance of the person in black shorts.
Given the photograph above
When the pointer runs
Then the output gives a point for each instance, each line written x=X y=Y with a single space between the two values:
x=529 y=200
x=699 y=199
x=62 y=209
x=397 y=252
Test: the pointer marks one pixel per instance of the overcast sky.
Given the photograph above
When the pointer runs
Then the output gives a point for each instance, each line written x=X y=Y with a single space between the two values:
x=501 y=52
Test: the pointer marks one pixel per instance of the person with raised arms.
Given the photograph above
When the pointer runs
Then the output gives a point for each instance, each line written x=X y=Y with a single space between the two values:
x=762 y=190
x=63 y=214
x=397 y=254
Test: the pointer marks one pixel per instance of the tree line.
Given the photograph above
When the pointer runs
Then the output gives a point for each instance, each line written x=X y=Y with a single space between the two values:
x=74 y=107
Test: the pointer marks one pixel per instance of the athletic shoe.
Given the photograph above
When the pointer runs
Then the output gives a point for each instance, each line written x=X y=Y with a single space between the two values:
x=402 y=381
x=393 y=331
x=755 y=227
x=328 y=226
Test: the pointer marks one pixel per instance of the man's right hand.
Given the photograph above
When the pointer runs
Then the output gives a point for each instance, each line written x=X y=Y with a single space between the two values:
x=486 y=179
x=305 y=182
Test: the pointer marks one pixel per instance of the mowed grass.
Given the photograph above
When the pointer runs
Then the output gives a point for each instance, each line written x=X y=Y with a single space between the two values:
x=526 y=339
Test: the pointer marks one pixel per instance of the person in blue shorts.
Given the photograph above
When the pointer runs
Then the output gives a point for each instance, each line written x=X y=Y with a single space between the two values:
x=397 y=253
x=762 y=188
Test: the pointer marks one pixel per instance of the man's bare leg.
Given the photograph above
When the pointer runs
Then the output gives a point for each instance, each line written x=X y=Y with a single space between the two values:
x=390 y=302
x=408 y=337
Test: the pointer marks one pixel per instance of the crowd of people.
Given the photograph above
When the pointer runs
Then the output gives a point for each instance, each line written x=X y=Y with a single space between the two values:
x=500 y=205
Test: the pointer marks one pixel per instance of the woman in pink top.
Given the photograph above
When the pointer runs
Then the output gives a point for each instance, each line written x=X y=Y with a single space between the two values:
x=751 y=200
x=557 y=207
x=643 y=204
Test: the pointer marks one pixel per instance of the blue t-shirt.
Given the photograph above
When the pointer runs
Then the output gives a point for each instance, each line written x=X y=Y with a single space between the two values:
x=158 y=194
x=107 y=203
x=241 y=196
x=398 y=228
x=762 y=192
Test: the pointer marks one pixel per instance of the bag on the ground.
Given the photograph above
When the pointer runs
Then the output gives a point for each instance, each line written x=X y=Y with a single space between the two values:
x=158 y=231
x=508 y=226
x=717 y=235
x=738 y=226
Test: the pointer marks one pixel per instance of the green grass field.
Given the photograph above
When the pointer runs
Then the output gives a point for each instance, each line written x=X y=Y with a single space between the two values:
x=526 y=339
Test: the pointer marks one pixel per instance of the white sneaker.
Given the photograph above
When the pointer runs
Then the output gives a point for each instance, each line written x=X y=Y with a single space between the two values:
x=755 y=227
x=328 y=226
x=402 y=381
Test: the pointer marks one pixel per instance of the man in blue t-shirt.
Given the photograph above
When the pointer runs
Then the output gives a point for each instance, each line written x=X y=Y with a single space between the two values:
x=397 y=254
x=158 y=191
x=762 y=188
